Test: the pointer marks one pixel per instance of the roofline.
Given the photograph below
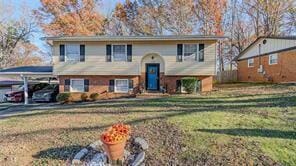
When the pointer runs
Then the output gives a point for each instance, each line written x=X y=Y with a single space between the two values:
x=133 y=38
x=272 y=52
x=26 y=73
x=263 y=37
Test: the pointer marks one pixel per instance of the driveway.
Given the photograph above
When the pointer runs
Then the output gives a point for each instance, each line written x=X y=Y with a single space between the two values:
x=13 y=109
x=10 y=109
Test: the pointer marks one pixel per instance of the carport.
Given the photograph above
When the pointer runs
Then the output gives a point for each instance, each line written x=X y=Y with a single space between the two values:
x=28 y=72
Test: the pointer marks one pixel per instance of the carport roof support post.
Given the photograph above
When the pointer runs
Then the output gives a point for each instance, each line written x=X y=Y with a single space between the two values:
x=25 y=78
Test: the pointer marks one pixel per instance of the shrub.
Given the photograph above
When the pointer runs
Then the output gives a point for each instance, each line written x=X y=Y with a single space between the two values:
x=189 y=84
x=64 y=97
x=94 y=96
x=84 y=97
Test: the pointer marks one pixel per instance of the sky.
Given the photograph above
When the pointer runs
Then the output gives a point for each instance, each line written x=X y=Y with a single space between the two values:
x=106 y=9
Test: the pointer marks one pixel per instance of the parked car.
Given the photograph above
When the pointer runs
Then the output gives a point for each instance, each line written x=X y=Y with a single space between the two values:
x=47 y=94
x=18 y=95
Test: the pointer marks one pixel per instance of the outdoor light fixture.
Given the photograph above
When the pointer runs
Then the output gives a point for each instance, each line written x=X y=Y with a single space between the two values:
x=264 y=41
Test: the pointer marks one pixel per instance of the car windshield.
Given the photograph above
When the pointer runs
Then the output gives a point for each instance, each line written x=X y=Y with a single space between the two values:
x=49 y=87
x=20 y=88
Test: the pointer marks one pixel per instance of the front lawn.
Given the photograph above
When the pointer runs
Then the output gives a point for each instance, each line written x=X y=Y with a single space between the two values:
x=237 y=124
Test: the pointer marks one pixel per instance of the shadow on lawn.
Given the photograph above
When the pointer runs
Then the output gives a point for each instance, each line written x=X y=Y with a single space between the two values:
x=186 y=105
x=59 y=153
x=253 y=133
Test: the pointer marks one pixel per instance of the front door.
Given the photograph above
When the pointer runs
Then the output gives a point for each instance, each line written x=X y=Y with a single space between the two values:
x=152 y=77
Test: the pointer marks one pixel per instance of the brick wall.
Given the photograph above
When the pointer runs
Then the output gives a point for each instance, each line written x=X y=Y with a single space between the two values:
x=100 y=84
x=284 y=71
x=206 y=83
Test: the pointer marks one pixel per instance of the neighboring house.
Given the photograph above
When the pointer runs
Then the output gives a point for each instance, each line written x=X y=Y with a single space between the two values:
x=268 y=59
x=114 y=65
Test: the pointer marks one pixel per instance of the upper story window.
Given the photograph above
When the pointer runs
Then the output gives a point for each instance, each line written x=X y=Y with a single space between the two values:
x=273 y=59
x=190 y=52
x=72 y=52
x=119 y=53
x=251 y=62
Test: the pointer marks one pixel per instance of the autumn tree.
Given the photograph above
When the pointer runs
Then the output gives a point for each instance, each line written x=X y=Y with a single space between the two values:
x=210 y=15
x=70 y=17
x=139 y=17
x=180 y=17
x=267 y=16
x=15 y=46
x=125 y=20
x=154 y=15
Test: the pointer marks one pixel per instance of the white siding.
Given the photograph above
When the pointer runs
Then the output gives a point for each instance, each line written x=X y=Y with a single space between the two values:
x=270 y=46
x=95 y=60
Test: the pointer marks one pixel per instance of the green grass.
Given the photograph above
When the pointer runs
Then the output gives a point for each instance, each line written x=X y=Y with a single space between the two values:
x=239 y=123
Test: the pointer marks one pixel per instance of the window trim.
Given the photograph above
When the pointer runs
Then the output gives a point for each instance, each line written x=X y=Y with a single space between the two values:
x=112 y=55
x=197 y=52
x=76 y=79
x=249 y=62
x=66 y=54
x=269 y=58
x=115 y=89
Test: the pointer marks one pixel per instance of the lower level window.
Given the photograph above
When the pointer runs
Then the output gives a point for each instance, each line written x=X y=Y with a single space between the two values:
x=273 y=59
x=77 y=85
x=121 y=85
x=251 y=62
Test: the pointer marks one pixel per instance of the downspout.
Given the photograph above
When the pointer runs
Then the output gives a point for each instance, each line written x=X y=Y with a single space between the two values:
x=259 y=55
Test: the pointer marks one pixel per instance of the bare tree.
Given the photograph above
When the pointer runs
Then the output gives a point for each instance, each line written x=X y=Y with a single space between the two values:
x=180 y=17
x=15 y=46
x=267 y=16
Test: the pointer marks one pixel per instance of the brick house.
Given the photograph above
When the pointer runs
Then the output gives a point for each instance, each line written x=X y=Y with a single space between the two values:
x=116 y=66
x=268 y=59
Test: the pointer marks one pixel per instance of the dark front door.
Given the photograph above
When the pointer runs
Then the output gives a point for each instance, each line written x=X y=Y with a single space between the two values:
x=152 y=76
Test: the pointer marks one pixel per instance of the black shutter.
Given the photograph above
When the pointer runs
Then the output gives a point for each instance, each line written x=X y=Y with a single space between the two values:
x=129 y=53
x=62 y=53
x=179 y=52
x=82 y=53
x=108 y=53
x=130 y=84
x=67 y=85
x=86 y=85
x=111 y=85
x=178 y=86
x=201 y=52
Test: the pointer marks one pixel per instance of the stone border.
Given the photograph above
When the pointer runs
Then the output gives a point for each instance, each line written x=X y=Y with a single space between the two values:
x=137 y=160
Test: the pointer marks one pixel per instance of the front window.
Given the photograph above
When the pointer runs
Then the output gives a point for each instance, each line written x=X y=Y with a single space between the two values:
x=190 y=52
x=273 y=59
x=77 y=85
x=121 y=85
x=72 y=52
x=119 y=53
x=251 y=62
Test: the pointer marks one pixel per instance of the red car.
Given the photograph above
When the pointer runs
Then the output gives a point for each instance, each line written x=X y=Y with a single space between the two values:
x=18 y=95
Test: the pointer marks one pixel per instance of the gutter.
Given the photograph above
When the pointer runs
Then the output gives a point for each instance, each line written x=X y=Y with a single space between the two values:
x=273 y=52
